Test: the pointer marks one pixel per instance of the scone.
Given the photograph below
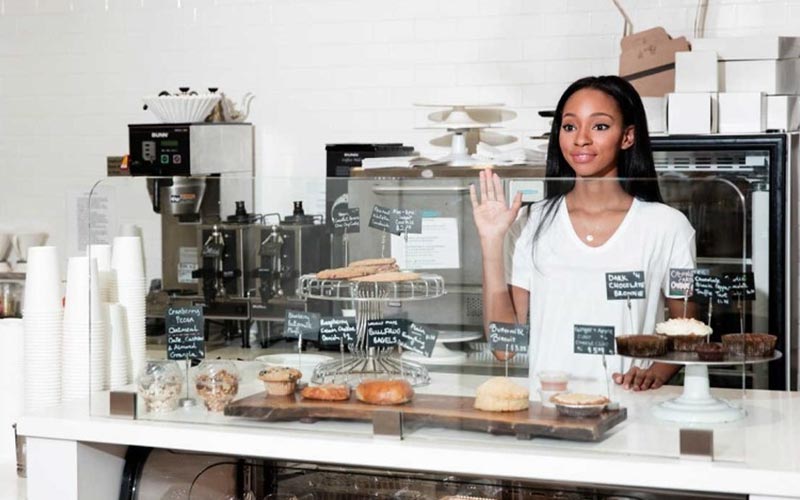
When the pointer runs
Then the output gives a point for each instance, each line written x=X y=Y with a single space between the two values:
x=280 y=380
x=388 y=277
x=501 y=394
x=327 y=392
x=683 y=334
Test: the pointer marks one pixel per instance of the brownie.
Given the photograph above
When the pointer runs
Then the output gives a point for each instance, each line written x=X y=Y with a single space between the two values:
x=751 y=345
x=712 y=351
x=641 y=346
x=684 y=343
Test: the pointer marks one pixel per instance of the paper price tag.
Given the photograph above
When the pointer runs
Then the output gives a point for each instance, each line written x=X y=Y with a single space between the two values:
x=626 y=285
x=594 y=339
x=185 y=338
x=301 y=323
x=332 y=330
x=509 y=337
x=419 y=339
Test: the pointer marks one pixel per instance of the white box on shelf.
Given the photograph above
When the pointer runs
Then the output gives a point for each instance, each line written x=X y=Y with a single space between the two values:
x=770 y=76
x=692 y=113
x=696 y=71
x=742 y=112
x=656 y=110
x=750 y=47
x=783 y=112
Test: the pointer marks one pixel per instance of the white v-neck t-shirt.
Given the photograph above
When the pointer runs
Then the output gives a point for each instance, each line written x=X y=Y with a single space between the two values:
x=567 y=283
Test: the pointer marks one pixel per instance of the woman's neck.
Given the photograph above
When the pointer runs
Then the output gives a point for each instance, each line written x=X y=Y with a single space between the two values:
x=597 y=195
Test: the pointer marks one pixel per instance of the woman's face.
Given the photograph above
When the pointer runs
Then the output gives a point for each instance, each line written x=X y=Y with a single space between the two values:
x=592 y=133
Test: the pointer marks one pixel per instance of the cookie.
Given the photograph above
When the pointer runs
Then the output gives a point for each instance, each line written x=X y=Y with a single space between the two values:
x=373 y=262
x=388 y=277
x=342 y=273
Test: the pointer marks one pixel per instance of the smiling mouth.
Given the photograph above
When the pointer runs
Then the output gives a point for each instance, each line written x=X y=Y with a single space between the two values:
x=583 y=157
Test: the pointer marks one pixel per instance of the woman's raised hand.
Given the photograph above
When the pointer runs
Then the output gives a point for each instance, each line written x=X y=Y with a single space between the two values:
x=492 y=214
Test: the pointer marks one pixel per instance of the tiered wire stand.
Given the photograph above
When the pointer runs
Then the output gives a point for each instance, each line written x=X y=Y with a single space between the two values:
x=369 y=299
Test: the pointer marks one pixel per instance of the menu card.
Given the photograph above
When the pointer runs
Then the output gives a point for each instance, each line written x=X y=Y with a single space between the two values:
x=185 y=339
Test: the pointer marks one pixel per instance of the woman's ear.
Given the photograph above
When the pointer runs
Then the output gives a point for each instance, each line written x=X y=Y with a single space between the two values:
x=628 y=137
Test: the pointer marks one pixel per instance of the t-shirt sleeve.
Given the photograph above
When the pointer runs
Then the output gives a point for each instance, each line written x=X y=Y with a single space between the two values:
x=517 y=254
x=683 y=253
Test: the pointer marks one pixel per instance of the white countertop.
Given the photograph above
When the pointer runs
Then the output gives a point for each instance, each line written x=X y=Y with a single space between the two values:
x=758 y=455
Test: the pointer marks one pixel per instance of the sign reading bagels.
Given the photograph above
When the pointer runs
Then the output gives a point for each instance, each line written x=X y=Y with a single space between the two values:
x=509 y=337
x=626 y=285
x=419 y=339
x=301 y=324
x=185 y=339
x=385 y=332
x=594 y=339
x=335 y=330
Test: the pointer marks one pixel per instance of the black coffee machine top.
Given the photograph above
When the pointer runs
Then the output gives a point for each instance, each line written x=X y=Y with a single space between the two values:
x=241 y=216
x=298 y=216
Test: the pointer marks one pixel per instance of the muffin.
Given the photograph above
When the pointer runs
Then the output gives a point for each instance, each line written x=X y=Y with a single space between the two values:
x=280 y=380
x=751 y=345
x=683 y=334
x=641 y=346
x=711 y=351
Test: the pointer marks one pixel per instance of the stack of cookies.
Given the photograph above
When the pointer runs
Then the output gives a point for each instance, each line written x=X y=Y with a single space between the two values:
x=376 y=270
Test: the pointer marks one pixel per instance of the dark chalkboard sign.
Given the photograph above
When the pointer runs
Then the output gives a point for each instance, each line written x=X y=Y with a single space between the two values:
x=185 y=338
x=385 y=332
x=626 y=285
x=594 y=339
x=509 y=337
x=742 y=285
x=406 y=221
x=301 y=323
x=419 y=339
x=705 y=286
x=680 y=282
x=333 y=329
x=347 y=221
x=381 y=218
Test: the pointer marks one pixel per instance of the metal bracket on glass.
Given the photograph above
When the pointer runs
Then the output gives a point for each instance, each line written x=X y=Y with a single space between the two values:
x=697 y=444
x=387 y=423
x=122 y=404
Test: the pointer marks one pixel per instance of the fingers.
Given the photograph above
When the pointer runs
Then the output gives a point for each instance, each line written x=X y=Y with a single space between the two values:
x=484 y=193
x=657 y=383
x=617 y=378
x=638 y=379
x=473 y=196
x=648 y=381
x=499 y=194
x=516 y=204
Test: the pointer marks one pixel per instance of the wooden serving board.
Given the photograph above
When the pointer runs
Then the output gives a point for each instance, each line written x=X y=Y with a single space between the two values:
x=435 y=411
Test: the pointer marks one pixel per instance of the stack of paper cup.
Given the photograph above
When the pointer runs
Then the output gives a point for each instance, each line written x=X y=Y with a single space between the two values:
x=104 y=280
x=128 y=261
x=11 y=369
x=41 y=320
x=85 y=346
x=120 y=360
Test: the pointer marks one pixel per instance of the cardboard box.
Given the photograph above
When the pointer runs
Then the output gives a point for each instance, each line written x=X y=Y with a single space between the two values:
x=741 y=112
x=783 y=112
x=692 y=113
x=648 y=61
x=656 y=110
x=696 y=71
x=750 y=47
x=770 y=76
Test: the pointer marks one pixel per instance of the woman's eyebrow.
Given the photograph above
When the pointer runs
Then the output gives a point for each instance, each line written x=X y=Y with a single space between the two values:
x=599 y=113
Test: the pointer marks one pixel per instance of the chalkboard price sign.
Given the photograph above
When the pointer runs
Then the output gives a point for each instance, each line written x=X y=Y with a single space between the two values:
x=594 y=339
x=185 y=338
x=705 y=287
x=406 y=221
x=385 y=332
x=509 y=337
x=381 y=218
x=680 y=282
x=333 y=329
x=742 y=285
x=623 y=286
x=347 y=221
x=301 y=323
x=419 y=339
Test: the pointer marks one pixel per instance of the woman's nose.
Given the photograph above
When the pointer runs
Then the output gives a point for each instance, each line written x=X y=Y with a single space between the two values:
x=582 y=137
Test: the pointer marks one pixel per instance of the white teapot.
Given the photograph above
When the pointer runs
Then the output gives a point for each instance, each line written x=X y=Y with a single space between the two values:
x=227 y=110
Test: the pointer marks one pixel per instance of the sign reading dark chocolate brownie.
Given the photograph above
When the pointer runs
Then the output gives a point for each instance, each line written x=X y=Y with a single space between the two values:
x=627 y=285
x=332 y=330
x=419 y=339
x=385 y=332
x=594 y=339
x=381 y=218
x=347 y=221
x=680 y=282
x=185 y=339
x=704 y=287
x=509 y=337
x=742 y=285
x=301 y=323
x=406 y=221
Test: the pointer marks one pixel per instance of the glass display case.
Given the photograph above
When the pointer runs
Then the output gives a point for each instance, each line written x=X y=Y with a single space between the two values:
x=343 y=281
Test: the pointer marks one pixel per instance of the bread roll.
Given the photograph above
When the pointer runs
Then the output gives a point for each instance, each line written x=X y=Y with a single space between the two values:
x=384 y=392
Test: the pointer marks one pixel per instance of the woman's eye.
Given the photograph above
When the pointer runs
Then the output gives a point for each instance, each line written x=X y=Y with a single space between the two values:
x=568 y=127
x=601 y=126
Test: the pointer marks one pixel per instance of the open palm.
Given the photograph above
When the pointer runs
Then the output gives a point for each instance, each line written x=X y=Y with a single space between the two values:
x=492 y=214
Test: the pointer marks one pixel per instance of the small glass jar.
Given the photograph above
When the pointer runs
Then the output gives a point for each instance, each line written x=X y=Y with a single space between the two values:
x=10 y=299
x=217 y=383
x=161 y=385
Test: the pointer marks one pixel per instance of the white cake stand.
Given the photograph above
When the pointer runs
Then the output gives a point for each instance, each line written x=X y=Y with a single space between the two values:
x=696 y=404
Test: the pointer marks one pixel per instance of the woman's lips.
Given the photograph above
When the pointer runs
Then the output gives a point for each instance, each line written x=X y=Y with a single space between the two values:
x=583 y=157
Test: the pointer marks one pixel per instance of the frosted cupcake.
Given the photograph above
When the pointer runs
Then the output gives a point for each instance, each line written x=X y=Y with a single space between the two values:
x=683 y=334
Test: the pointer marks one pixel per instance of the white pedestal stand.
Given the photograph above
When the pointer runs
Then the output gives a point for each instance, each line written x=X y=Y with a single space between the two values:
x=696 y=404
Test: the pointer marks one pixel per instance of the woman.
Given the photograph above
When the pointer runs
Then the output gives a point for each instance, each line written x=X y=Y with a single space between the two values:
x=604 y=215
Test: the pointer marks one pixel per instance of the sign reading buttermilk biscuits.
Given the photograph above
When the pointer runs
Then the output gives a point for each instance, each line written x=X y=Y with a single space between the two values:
x=385 y=332
x=185 y=338
x=594 y=339
x=333 y=330
x=301 y=323
x=626 y=285
x=509 y=337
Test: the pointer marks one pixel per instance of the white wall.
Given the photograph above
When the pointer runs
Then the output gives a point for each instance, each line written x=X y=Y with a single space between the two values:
x=72 y=74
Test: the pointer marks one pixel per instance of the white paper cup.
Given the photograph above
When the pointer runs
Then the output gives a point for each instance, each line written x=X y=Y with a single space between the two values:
x=103 y=255
x=82 y=299
x=42 y=281
x=127 y=258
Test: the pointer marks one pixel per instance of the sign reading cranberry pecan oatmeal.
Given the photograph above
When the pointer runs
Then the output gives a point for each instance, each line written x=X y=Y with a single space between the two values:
x=185 y=338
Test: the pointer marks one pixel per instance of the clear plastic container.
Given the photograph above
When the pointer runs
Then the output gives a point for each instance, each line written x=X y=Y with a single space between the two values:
x=161 y=385
x=10 y=300
x=217 y=383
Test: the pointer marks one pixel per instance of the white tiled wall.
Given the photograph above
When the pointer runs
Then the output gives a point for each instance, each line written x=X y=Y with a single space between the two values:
x=72 y=74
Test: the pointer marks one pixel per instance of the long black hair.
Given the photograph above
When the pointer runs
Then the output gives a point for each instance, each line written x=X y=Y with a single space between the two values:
x=634 y=165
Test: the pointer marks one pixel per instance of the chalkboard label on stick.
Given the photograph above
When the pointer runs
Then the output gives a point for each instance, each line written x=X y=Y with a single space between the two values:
x=332 y=330
x=742 y=285
x=680 y=282
x=626 y=285
x=385 y=332
x=705 y=286
x=185 y=338
x=509 y=337
x=594 y=339
x=406 y=221
x=381 y=218
x=299 y=323
x=347 y=221
x=419 y=339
